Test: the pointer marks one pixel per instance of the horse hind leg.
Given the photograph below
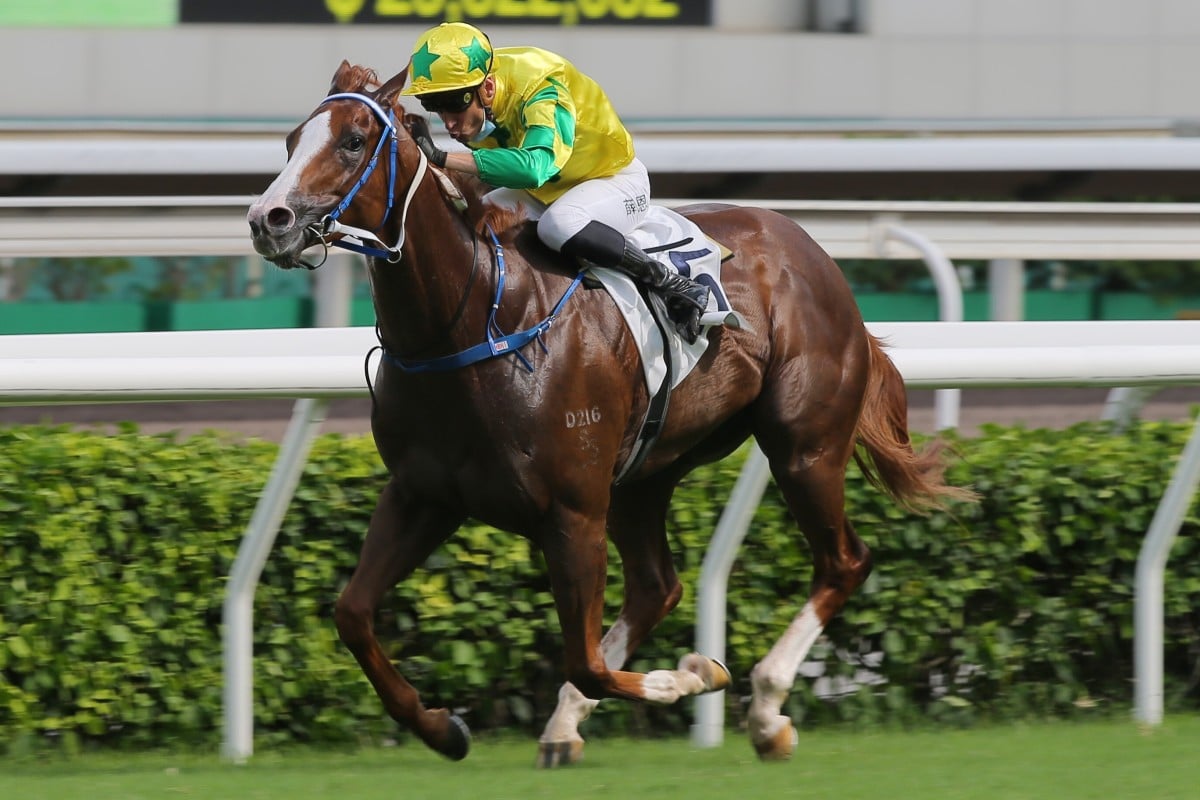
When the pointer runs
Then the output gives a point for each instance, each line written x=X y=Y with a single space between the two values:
x=814 y=491
x=399 y=539
x=637 y=527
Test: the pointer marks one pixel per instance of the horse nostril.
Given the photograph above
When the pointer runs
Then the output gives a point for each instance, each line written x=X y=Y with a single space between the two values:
x=280 y=218
x=255 y=228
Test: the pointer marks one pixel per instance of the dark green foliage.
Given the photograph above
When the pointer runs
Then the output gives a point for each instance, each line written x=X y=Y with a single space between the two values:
x=114 y=552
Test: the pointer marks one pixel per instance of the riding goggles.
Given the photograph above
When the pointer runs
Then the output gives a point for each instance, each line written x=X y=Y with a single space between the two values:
x=452 y=102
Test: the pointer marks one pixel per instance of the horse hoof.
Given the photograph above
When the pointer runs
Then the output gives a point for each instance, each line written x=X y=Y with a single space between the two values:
x=714 y=674
x=721 y=677
x=559 y=754
x=780 y=746
x=458 y=739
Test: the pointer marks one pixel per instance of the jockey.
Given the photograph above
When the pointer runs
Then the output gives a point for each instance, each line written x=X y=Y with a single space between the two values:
x=538 y=127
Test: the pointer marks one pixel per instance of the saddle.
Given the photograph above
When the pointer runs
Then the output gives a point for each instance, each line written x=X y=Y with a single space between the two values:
x=667 y=358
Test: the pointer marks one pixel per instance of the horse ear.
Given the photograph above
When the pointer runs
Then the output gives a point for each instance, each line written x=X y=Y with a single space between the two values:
x=386 y=96
x=341 y=78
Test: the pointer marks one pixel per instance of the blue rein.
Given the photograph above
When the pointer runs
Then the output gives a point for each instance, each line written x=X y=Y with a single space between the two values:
x=497 y=343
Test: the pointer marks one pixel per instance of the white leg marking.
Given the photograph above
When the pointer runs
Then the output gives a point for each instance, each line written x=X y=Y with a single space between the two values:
x=615 y=645
x=573 y=708
x=314 y=136
x=665 y=686
x=773 y=677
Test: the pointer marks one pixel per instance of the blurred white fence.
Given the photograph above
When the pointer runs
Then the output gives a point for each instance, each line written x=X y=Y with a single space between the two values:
x=714 y=148
x=216 y=225
x=936 y=232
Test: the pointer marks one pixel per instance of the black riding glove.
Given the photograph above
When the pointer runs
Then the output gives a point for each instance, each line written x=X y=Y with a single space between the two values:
x=435 y=155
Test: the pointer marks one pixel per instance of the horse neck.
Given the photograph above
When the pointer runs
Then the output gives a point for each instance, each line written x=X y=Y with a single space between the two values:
x=416 y=300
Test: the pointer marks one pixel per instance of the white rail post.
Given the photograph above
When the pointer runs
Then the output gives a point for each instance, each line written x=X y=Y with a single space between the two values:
x=237 y=615
x=946 y=402
x=333 y=290
x=7 y=267
x=1148 y=583
x=1123 y=403
x=1006 y=289
x=331 y=301
x=709 y=727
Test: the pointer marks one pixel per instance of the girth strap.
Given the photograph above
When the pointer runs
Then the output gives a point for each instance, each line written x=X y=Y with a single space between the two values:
x=656 y=411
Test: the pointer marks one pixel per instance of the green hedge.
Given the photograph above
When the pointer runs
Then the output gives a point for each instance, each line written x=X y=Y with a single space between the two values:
x=114 y=551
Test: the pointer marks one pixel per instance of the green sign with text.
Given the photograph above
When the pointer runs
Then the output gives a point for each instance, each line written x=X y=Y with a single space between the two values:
x=87 y=13
x=431 y=12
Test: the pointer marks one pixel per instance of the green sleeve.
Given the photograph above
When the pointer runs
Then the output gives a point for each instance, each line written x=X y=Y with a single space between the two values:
x=525 y=167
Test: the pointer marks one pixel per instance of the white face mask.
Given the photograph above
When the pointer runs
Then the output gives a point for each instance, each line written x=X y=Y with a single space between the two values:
x=484 y=131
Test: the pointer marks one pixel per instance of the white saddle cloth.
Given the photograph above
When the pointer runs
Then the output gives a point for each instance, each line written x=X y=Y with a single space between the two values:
x=694 y=255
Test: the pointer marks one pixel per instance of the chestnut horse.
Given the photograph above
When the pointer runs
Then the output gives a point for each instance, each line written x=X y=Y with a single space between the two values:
x=530 y=439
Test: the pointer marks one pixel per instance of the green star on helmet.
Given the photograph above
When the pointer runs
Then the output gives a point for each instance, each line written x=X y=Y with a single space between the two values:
x=477 y=56
x=422 y=61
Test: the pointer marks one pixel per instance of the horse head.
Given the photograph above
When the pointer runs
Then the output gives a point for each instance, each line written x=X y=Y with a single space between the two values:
x=343 y=151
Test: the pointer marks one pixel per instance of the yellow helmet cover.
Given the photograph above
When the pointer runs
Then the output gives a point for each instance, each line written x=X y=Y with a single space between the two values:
x=453 y=55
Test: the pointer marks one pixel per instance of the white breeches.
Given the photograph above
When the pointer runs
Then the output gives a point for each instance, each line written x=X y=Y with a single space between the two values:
x=619 y=201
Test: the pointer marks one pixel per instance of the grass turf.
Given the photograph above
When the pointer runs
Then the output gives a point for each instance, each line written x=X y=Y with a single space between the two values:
x=1060 y=760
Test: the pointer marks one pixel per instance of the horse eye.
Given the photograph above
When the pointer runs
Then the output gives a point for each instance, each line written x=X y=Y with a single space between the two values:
x=355 y=143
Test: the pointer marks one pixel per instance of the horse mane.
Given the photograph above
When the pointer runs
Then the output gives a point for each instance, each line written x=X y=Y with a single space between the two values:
x=472 y=188
x=500 y=219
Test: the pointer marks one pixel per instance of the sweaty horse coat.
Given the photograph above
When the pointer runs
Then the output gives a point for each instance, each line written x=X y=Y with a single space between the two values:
x=504 y=444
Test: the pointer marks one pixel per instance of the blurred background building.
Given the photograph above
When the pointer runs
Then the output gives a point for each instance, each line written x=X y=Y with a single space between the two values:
x=905 y=63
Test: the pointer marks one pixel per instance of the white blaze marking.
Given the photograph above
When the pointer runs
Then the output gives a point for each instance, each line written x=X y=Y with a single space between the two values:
x=314 y=136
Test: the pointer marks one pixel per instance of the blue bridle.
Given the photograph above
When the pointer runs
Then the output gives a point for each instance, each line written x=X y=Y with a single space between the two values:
x=497 y=343
x=330 y=225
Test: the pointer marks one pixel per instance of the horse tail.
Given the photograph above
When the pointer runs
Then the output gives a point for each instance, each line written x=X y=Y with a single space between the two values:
x=914 y=478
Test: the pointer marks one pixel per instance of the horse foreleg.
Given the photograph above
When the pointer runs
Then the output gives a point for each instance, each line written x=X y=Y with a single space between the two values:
x=400 y=537
x=577 y=558
x=637 y=526
x=841 y=562
x=560 y=743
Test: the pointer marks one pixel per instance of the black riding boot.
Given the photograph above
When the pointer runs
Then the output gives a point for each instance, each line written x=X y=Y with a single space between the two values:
x=606 y=247
x=686 y=299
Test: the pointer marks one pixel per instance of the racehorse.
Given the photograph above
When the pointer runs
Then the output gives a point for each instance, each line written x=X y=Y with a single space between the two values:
x=528 y=432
